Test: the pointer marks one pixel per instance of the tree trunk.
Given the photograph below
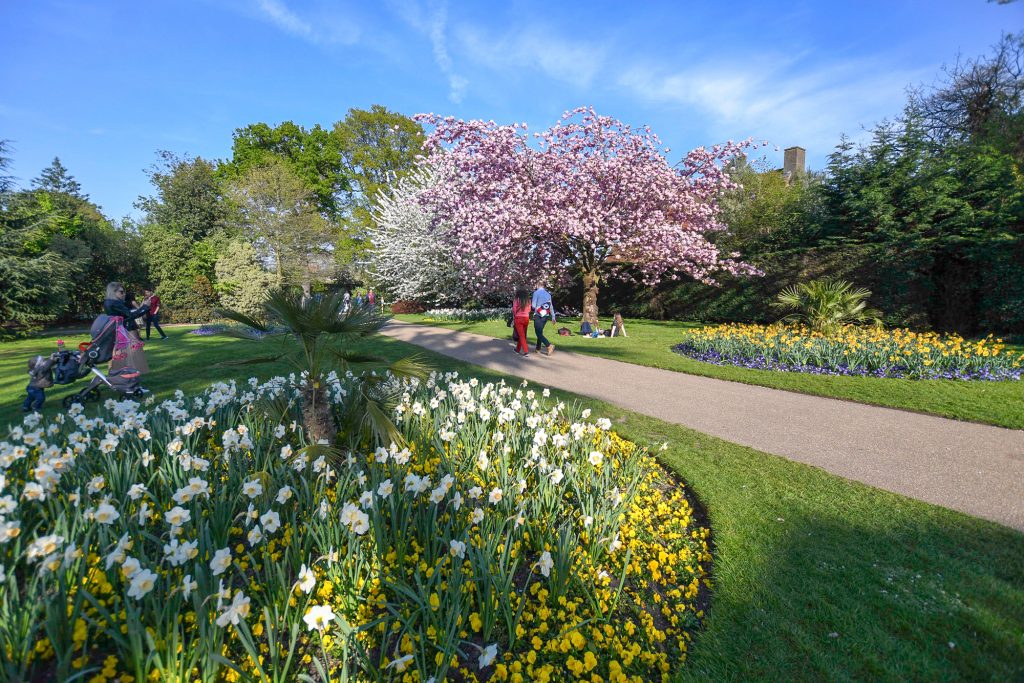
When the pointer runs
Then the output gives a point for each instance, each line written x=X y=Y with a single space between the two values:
x=316 y=415
x=590 y=282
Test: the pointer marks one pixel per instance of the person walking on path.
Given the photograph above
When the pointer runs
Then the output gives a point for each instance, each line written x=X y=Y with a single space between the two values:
x=153 y=314
x=371 y=299
x=521 y=319
x=544 y=311
x=134 y=356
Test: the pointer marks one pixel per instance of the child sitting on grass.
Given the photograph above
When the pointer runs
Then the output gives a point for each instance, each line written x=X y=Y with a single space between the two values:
x=40 y=378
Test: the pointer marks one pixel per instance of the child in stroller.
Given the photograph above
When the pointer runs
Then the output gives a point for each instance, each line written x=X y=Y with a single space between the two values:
x=107 y=333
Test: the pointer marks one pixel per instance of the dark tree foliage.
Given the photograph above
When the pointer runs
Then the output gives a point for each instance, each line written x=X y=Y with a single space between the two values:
x=188 y=196
x=57 y=252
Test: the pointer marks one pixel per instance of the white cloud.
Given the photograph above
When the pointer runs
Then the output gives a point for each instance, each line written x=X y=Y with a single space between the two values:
x=569 y=61
x=431 y=20
x=326 y=24
x=785 y=100
x=285 y=19
x=438 y=25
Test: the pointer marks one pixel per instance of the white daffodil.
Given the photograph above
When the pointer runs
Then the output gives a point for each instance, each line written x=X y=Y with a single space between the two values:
x=105 y=513
x=252 y=488
x=221 y=561
x=319 y=617
x=400 y=664
x=457 y=548
x=284 y=494
x=234 y=612
x=307 y=580
x=142 y=583
x=33 y=491
x=487 y=655
x=545 y=563
x=271 y=521
x=495 y=496
x=43 y=546
x=178 y=516
x=596 y=458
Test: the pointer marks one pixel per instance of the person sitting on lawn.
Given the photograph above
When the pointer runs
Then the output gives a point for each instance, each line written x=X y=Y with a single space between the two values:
x=618 y=327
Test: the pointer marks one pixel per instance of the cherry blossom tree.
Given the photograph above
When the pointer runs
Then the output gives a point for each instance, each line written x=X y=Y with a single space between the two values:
x=592 y=198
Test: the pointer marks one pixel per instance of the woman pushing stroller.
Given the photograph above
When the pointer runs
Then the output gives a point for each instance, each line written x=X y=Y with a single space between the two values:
x=130 y=354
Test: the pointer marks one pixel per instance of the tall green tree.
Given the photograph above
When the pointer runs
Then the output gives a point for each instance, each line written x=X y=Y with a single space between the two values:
x=188 y=220
x=377 y=147
x=279 y=215
x=188 y=197
x=312 y=155
x=56 y=179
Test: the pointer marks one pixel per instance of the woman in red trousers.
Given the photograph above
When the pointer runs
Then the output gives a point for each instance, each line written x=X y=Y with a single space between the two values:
x=521 y=319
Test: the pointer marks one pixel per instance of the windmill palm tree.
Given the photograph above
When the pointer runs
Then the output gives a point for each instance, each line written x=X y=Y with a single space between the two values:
x=826 y=305
x=312 y=333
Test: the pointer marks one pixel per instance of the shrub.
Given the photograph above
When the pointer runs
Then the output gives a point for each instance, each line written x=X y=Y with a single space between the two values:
x=407 y=306
x=826 y=305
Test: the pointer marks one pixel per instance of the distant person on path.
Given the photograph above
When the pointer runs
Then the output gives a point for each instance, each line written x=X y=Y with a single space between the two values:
x=544 y=311
x=371 y=299
x=133 y=356
x=346 y=302
x=40 y=378
x=521 y=319
x=153 y=314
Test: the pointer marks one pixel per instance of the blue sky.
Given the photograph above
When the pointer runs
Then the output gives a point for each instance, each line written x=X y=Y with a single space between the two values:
x=104 y=85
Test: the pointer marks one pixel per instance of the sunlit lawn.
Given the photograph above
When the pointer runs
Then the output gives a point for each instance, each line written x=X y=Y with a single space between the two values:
x=650 y=343
x=816 y=577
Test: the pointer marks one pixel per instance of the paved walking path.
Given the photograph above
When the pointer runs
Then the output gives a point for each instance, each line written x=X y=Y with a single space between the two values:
x=969 y=467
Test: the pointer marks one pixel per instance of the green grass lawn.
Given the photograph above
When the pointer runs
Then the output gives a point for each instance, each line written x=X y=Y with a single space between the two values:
x=650 y=343
x=816 y=577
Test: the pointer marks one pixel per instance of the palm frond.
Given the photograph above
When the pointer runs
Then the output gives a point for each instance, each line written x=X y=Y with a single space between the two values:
x=411 y=367
x=380 y=424
x=242 y=318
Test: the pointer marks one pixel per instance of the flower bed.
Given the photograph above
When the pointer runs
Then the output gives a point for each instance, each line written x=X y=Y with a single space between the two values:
x=199 y=539
x=853 y=350
x=468 y=315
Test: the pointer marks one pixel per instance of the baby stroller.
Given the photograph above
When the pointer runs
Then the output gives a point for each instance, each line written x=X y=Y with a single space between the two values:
x=72 y=366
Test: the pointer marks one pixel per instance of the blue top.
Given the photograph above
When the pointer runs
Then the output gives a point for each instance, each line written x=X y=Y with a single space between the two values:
x=540 y=298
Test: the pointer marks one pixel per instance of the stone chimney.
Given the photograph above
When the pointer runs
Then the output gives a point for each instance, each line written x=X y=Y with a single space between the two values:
x=793 y=161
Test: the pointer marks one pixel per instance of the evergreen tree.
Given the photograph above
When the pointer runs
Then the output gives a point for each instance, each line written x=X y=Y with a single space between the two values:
x=55 y=178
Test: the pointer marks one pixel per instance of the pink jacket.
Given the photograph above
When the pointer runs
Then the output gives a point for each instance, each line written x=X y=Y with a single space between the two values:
x=523 y=312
